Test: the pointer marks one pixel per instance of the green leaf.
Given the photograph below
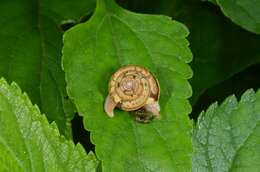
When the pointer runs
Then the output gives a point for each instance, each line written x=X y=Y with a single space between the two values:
x=227 y=137
x=31 y=43
x=245 y=13
x=220 y=48
x=29 y=143
x=115 y=37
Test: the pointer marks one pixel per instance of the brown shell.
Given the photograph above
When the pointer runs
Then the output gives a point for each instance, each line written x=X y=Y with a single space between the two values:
x=131 y=86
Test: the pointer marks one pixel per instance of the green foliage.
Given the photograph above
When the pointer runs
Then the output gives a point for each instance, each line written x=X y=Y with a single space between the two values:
x=114 y=37
x=220 y=48
x=227 y=137
x=245 y=13
x=29 y=143
x=30 y=51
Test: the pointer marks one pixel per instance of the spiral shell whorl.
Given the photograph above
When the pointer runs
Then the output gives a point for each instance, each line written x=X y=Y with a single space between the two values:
x=131 y=86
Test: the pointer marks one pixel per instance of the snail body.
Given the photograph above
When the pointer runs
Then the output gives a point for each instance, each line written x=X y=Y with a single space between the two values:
x=132 y=88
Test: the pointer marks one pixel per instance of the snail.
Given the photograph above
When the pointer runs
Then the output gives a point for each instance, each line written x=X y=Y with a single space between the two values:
x=134 y=88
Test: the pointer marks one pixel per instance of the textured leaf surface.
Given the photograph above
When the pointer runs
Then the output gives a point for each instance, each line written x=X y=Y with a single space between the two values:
x=29 y=143
x=220 y=47
x=245 y=13
x=30 y=51
x=227 y=137
x=115 y=37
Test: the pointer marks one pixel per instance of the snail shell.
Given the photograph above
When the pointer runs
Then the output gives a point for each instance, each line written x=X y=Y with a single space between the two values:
x=131 y=88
